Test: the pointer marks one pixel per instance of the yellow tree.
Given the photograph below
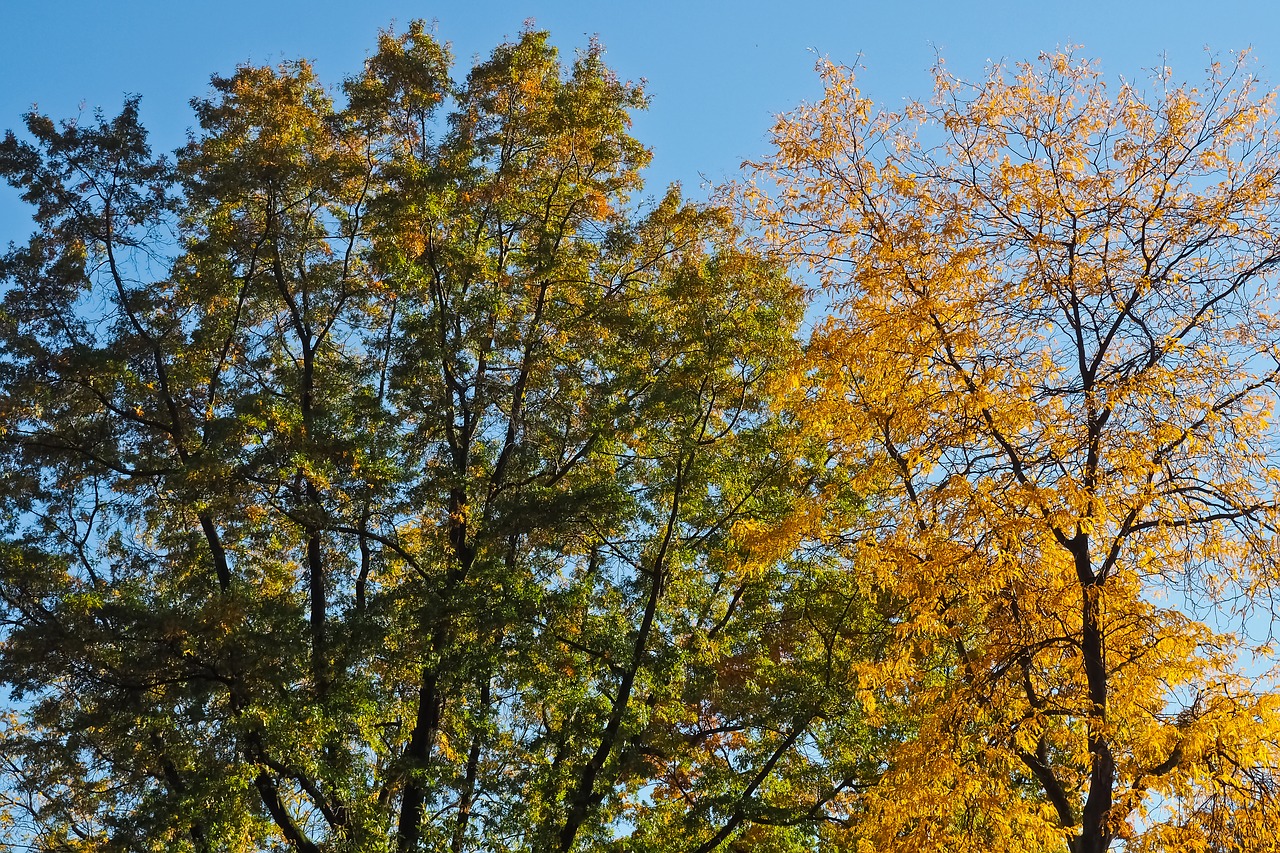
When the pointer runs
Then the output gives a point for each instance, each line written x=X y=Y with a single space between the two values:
x=1051 y=362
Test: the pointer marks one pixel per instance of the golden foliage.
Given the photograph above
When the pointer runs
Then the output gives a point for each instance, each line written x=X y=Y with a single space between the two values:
x=1051 y=368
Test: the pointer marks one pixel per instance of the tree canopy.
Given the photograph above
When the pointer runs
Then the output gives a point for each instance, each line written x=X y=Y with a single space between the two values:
x=387 y=472
x=1051 y=362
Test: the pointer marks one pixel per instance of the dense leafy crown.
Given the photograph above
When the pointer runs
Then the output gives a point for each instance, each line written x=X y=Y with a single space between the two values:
x=381 y=479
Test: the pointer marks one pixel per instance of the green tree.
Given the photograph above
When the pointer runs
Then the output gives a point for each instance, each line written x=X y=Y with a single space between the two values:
x=380 y=479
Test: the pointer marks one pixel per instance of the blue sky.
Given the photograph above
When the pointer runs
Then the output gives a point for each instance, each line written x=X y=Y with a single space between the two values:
x=717 y=71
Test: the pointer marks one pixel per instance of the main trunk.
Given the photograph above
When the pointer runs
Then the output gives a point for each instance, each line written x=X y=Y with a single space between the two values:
x=1095 y=830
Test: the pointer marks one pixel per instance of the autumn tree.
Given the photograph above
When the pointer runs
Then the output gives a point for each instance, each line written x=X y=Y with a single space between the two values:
x=1050 y=366
x=384 y=473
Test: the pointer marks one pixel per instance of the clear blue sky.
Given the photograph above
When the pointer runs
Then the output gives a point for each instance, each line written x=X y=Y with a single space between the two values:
x=717 y=71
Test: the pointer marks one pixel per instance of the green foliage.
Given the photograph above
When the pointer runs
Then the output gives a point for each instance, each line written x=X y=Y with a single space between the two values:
x=382 y=479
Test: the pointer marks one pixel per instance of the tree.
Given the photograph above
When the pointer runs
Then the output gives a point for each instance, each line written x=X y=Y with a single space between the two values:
x=1051 y=365
x=381 y=479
